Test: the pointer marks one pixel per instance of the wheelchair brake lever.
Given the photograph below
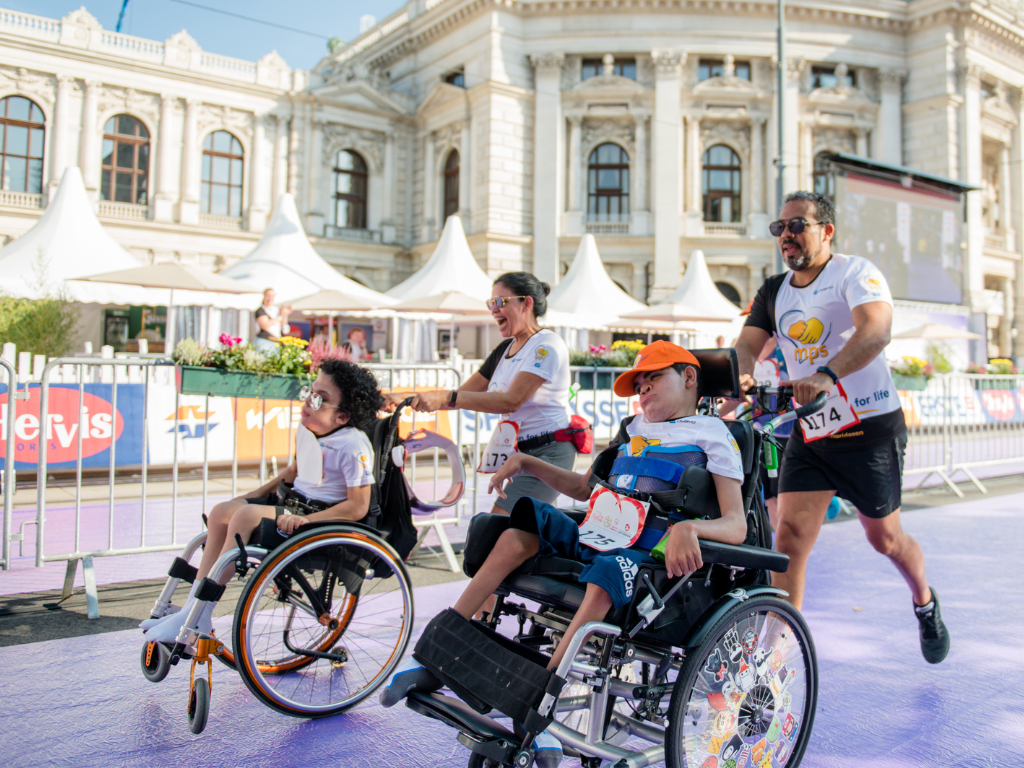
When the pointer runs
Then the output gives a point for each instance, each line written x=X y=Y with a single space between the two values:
x=242 y=561
x=651 y=606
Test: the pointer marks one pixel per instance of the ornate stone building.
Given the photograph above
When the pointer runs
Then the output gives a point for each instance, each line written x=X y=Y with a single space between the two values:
x=649 y=123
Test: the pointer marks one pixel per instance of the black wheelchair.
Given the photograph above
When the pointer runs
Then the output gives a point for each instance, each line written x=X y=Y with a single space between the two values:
x=712 y=670
x=324 y=615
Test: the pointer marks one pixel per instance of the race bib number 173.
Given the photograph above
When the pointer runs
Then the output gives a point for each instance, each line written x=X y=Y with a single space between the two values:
x=836 y=416
x=503 y=443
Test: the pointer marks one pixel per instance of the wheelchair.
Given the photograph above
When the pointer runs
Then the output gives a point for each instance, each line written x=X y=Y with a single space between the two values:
x=711 y=670
x=324 y=615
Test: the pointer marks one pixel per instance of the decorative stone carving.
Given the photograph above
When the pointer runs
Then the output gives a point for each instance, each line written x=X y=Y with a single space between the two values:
x=114 y=99
x=596 y=133
x=834 y=140
x=727 y=79
x=970 y=75
x=82 y=18
x=183 y=40
x=839 y=91
x=448 y=137
x=645 y=70
x=547 y=63
x=39 y=88
x=336 y=137
x=353 y=69
x=572 y=72
x=735 y=135
x=667 y=63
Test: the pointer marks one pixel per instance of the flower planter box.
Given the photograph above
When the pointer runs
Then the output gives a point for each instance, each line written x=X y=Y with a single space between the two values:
x=604 y=380
x=986 y=383
x=218 y=382
x=909 y=383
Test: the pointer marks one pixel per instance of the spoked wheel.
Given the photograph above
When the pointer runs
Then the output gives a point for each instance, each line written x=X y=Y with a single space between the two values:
x=322 y=622
x=222 y=629
x=156 y=662
x=748 y=693
x=199 y=705
x=479 y=761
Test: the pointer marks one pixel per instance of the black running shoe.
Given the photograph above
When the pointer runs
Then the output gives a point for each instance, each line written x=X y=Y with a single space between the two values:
x=934 y=636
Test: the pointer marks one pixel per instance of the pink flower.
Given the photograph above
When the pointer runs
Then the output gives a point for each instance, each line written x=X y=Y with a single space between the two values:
x=229 y=341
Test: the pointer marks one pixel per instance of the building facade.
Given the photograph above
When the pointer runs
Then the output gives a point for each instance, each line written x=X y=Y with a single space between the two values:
x=651 y=125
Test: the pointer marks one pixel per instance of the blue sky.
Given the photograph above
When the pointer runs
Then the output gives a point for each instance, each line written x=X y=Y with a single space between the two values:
x=159 y=19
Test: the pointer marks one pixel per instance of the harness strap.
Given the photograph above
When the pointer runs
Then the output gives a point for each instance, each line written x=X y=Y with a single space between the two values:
x=648 y=466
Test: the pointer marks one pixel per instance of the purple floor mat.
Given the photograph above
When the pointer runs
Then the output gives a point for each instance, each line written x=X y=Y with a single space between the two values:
x=83 y=701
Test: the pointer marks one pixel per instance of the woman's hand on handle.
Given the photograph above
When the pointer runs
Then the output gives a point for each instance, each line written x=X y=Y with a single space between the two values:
x=513 y=466
x=392 y=401
x=430 y=402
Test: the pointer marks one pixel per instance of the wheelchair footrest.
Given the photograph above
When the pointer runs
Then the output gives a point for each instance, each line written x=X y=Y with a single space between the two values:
x=460 y=716
x=209 y=590
x=180 y=569
x=485 y=669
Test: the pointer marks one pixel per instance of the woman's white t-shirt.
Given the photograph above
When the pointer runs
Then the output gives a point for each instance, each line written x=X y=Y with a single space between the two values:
x=347 y=463
x=544 y=354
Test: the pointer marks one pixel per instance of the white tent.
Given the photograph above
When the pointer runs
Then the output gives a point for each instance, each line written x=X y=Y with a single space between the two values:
x=284 y=260
x=450 y=268
x=699 y=295
x=586 y=297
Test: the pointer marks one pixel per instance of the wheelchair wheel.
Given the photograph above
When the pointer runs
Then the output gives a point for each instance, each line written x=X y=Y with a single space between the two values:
x=748 y=692
x=199 y=705
x=323 y=621
x=479 y=761
x=156 y=662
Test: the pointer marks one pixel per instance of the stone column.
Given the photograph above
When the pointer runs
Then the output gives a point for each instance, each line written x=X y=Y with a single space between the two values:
x=1016 y=217
x=62 y=126
x=258 y=184
x=428 y=229
x=163 y=201
x=389 y=232
x=547 y=165
x=757 y=219
x=806 y=170
x=861 y=138
x=889 y=143
x=666 y=146
x=971 y=173
x=1006 y=199
x=192 y=161
x=280 y=182
x=791 y=128
x=293 y=155
x=314 y=205
x=90 y=147
x=466 y=175
x=640 y=281
x=641 y=218
x=694 y=181
x=576 y=173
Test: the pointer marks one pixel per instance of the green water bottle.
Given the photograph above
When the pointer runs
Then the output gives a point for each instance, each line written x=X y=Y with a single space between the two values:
x=771 y=459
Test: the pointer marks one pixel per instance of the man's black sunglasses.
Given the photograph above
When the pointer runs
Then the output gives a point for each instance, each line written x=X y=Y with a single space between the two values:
x=796 y=226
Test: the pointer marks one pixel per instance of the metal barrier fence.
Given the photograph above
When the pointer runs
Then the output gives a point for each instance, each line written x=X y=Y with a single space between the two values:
x=10 y=416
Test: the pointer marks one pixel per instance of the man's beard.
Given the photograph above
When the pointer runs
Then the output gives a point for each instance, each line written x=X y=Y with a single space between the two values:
x=799 y=261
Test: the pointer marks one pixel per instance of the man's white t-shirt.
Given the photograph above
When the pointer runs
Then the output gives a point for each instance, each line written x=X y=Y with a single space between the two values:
x=544 y=354
x=815 y=321
x=707 y=433
x=347 y=463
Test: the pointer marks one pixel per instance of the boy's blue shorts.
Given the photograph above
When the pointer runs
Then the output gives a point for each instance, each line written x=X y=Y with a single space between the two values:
x=615 y=571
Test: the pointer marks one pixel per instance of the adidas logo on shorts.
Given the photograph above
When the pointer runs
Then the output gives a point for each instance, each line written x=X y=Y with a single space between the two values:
x=629 y=571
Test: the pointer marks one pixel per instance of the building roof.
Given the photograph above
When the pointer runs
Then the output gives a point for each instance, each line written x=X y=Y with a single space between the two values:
x=284 y=260
x=452 y=267
x=587 y=297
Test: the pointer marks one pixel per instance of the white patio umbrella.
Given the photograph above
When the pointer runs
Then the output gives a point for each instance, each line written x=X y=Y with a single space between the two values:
x=936 y=331
x=449 y=303
x=333 y=302
x=174 y=276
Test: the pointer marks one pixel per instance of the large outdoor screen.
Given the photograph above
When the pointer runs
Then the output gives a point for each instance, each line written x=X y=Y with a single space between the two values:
x=911 y=234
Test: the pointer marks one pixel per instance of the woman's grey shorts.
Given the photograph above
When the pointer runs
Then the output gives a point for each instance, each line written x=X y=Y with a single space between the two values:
x=560 y=454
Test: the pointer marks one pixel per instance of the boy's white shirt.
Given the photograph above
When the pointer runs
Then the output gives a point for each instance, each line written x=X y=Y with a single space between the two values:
x=330 y=465
x=708 y=433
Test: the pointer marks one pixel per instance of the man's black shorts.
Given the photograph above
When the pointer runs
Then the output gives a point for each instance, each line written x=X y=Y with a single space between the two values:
x=869 y=478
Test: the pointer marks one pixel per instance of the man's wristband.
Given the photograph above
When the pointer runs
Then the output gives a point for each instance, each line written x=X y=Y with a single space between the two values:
x=453 y=397
x=829 y=372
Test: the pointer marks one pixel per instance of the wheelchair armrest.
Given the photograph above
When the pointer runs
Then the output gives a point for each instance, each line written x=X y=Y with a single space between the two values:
x=743 y=556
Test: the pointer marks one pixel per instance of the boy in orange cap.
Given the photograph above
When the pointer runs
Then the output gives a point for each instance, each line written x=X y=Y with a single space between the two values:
x=667 y=436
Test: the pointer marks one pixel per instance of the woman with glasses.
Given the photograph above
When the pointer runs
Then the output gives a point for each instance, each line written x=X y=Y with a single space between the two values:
x=330 y=479
x=525 y=379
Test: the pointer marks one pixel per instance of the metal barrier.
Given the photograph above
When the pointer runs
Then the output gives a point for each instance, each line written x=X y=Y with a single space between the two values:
x=8 y=478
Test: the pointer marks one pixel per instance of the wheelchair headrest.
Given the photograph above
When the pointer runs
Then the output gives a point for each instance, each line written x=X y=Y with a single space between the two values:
x=719 y=372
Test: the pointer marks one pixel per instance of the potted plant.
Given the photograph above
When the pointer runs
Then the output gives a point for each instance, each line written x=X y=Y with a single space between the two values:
x=239 y=370
x=912 y=373
x=621 y=355
x=994 y=375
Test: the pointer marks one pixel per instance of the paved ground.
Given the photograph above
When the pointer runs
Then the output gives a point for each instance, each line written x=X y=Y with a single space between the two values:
x=81 y=701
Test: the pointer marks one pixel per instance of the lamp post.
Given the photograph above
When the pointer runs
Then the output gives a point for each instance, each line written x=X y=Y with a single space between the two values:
x=780 y=163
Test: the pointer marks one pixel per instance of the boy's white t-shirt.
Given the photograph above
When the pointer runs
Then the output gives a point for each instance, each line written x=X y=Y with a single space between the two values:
x=348 y=463
x=545 y=355
x=707 y=433
x=815 y=322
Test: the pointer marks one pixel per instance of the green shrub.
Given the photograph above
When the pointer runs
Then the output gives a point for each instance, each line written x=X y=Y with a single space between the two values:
x=46 y=326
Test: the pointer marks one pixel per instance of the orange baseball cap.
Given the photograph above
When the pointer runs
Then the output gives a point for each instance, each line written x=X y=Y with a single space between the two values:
x=653 y=357
x=746 y=311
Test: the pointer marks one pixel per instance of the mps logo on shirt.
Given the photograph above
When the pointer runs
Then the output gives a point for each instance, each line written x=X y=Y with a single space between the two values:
x=807 y=334
x=367 y=464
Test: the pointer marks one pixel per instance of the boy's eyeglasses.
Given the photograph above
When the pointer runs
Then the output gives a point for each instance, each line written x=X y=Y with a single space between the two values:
x=315 y=400
x=796 y=226
x=501 y=301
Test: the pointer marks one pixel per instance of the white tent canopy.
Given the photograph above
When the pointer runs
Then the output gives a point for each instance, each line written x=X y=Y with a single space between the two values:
x=699 y=295
x=587 y=297
x=284 y=260
x=452 y=267
x=68 y=243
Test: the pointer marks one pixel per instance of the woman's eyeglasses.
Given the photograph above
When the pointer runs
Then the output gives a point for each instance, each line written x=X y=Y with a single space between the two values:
x=796 y=226
x=315 y=400
x=500 y=301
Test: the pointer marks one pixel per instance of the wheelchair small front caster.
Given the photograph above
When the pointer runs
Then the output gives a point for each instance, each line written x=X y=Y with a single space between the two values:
x=476 y=760
x=523 y=758
x=198 y=706
x=156 y=662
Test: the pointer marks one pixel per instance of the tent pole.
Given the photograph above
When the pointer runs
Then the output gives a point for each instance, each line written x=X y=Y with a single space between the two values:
x=330 y=330
x=451 y=339
x=169 y=326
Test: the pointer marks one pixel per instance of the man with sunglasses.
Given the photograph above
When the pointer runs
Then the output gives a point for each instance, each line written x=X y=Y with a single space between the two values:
x=832 y=317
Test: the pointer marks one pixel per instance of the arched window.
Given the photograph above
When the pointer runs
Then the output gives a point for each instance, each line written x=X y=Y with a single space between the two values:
x=824 y=179
x=349 y=190
x=608 y=184
x=730 y=293
x=221 y=191
x=21 y=142
x=451 y=184
x=721 y=184
x=125 y=161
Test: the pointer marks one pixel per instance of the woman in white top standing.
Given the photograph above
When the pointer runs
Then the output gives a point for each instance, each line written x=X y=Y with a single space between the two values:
x=272 y=323
x=525 y=379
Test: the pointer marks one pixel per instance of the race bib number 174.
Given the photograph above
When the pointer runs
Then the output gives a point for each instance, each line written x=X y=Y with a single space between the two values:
x=836 y=416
